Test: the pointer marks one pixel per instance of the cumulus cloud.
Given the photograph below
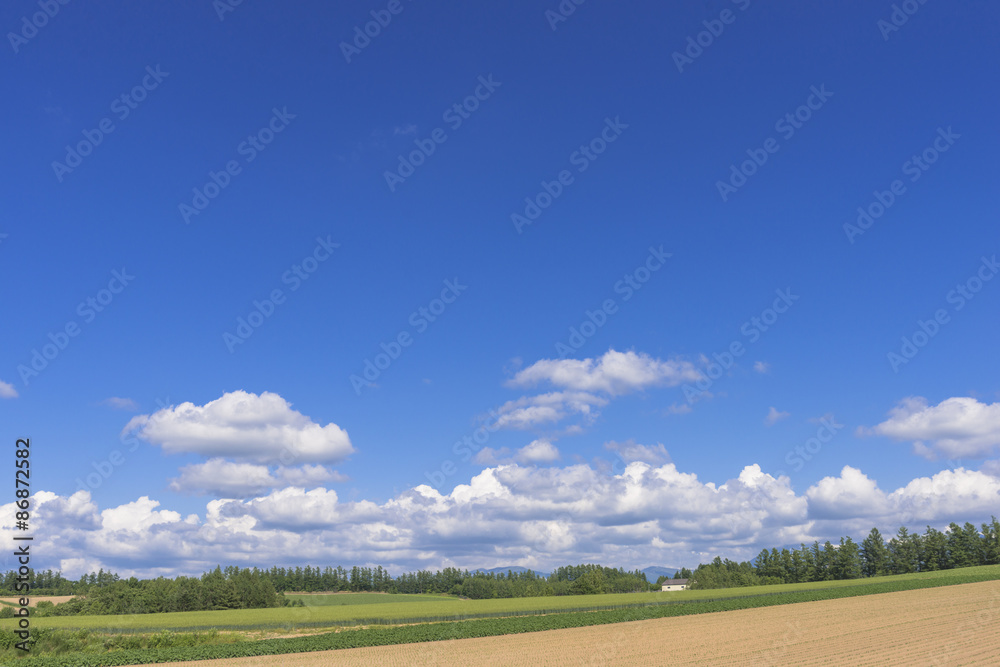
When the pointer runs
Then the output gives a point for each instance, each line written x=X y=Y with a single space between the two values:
x=585 y=385
x=510 y=514
x=955 y=428
x=121 y=403
x=532 y=411
x=614 y=373
x=487 y=456
x=774 y=416
x=137 y=516
x=223 y=478
x=7 y=390
x=853 y=494
x=630 y=451
x=538 y=451
x=229 y=479
x=245 y=427
x=761 y=366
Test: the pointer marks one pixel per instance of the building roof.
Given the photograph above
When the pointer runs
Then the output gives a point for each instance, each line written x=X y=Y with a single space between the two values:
x=675 y=582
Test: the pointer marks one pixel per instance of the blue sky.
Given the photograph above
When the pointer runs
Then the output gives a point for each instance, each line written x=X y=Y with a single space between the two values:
x=250 y=154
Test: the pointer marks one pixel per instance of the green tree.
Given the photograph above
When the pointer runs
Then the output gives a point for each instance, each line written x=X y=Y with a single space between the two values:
x=848 y=560
x=991 y=542
x=965 y=547
x=904 y=552
x=934 y=556
x=874 y=555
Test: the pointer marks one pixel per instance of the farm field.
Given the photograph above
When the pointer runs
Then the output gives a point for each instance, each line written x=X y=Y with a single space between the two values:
x=54 y=599
x=951 y=625
x=320 y=612
x=332 y=599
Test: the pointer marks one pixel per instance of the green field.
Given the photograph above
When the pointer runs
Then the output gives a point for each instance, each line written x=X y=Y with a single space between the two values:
x=333 y=599
x=327 y=611
x=491 y=627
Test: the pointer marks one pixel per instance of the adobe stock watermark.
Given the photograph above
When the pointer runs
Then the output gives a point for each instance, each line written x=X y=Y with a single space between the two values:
x=122 y=106
x=223 y=7
x=465 y=449
x=562 y=12
x=786 y=126
x=752 y=329
x=914 y=168
x=714 y=28
x=958 y=297
x=630 y=283
x=454 y=116
x=971 y=633
x=37 y=21
x=900 y=14
x=249 y=149
x=293 y=277
x=775 y=655
x=419 y=320
x=381 y=18
x=87 y=310
x=581 y=158
x=800 y=454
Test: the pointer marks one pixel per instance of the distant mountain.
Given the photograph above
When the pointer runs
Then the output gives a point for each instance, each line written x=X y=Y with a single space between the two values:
x=517 y=569
x=654 y=572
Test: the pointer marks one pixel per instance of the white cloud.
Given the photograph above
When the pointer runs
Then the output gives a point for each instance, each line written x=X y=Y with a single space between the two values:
x=308 y=475
x=7 y=390
x=538 y=451
x=614 y=373
x=679 y=409
x=586 y=385
x=629 y=451
x=774 y=416
x=245 y=427
x=531 y=411
x=853 y=494
x=539 y=517
x=223 y=478
x=121 y=403
x=137 y=516
x=761 y=366
x=229 y=479
x=955 y=428
x=487 y=456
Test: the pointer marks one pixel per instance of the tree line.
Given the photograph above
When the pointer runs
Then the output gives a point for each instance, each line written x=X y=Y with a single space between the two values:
x=904 y=553
x=107 y=593
x=567 y=580
x=234 y=588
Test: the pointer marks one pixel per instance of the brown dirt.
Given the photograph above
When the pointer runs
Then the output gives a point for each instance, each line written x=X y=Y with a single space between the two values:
x=34 y=600
x=951 y=625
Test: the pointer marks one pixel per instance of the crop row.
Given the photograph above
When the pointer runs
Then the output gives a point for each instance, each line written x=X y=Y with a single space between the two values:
x=476 y=628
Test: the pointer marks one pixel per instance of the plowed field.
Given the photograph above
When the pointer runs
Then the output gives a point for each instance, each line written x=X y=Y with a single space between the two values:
x=951 y=625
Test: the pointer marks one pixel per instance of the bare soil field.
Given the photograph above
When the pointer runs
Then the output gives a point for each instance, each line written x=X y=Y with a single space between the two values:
x=951 y=625
x=34 y=600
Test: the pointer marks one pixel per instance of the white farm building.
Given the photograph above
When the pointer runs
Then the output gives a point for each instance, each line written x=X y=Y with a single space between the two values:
x=674 y=585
